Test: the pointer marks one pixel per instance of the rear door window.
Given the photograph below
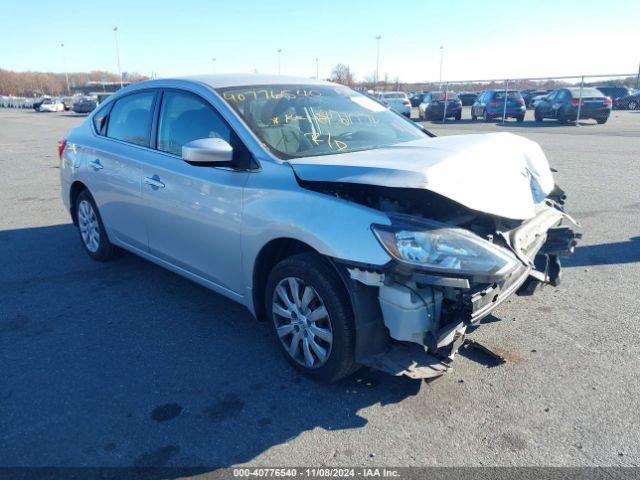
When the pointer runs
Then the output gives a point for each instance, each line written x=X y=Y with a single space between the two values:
x=130 y=118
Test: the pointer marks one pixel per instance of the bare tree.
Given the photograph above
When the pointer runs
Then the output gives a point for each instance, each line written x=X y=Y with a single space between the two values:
x=342 y=74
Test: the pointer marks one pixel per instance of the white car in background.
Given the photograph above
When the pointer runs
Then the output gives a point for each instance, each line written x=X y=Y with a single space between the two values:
x=396 y=101
x=51 y=105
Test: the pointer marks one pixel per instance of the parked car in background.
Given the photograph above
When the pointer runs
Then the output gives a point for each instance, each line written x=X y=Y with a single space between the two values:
x=614 y=92
x=359 y=237
x=51 y=105
x=529 y=95
x=562 y=105
x=68 y=102
x=629 y=102
x=397 y=101
x=433 y=106
x=491 y=105
x=85 y=105
x=39 y=101
x=535 y=100
x=416 y=98
x=467 y=98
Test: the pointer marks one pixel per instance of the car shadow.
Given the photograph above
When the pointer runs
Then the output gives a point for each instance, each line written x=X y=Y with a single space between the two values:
x=627 y=251
x=126 y=365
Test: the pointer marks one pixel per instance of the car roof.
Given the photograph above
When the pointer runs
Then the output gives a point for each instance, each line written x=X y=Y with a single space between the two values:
x=248 y=79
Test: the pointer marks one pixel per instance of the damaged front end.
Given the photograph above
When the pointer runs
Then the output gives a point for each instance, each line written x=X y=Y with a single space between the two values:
x=446 y=274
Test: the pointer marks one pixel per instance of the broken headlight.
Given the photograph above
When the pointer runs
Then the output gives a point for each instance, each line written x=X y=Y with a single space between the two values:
x=444 y=249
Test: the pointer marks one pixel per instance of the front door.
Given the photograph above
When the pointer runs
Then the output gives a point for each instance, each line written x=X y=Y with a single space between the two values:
x=193 y=213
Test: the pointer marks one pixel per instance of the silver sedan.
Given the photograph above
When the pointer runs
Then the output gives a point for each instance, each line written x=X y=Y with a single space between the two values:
x=359 y=236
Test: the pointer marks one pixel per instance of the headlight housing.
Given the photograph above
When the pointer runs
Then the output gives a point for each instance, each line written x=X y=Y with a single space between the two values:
x=444 y=249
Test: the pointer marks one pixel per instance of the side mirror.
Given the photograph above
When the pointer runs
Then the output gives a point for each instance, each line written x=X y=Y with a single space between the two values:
x=207 y=150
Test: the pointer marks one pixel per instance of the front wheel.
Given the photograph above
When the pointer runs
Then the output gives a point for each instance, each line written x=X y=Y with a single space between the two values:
x=485 y=116
x=311 y=315
x=458 y=116
x=520 y=118
x=632 y=105
x=601 y=120
x=92 y=232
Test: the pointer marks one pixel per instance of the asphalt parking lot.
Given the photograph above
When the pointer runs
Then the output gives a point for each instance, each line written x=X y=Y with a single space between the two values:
x=125 y=363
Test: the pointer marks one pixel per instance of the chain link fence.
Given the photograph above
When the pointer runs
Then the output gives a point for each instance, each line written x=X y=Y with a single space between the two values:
x=620 y=88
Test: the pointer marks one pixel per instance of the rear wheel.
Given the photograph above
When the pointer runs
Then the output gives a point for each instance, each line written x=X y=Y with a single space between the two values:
x=537 y=115
x=632 y=105
x=473 y=116
x=562 y=117
x=520 y=118
x=458 y=116
x=92 y=232
x=311 y=316
x=485 y=116
x=602 y=120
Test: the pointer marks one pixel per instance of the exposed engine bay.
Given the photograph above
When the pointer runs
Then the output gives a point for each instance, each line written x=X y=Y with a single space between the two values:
x=426 y=313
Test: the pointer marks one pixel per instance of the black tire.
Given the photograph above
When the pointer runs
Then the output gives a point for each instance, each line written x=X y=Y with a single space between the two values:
x=316 y=272
x=458 y=116
x=485 y=116
x=520 y=118
x=106 y=250
x=537 y=115
x=562 y=117
x=473 y=117
x=632 y=105
x=602 y=120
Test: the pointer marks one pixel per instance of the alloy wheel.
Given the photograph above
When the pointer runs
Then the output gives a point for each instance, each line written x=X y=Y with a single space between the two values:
x=89 y=227
x=302 y=322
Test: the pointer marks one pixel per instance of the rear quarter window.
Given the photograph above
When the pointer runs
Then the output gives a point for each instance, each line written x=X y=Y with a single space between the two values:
x=100 y=119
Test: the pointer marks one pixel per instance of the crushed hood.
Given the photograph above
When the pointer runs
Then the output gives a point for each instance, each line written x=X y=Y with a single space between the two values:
x=497 y=173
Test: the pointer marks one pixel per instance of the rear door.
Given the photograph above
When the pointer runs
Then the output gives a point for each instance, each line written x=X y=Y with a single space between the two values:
x=114 y=166
x=193 y=213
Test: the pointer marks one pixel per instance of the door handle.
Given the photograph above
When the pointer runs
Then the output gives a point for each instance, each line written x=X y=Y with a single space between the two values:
x=95 y=164
x=153 y=182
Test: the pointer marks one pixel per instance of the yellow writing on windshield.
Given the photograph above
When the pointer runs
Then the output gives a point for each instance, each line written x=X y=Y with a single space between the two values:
x=332 y=143
x=268 y=94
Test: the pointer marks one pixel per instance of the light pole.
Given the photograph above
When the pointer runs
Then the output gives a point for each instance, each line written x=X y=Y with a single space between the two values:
x=213 y=65
x=377 y=39
x=64 y=63
x=441 y=55
x=115 y=34
x=279 y=60
x=317 y=75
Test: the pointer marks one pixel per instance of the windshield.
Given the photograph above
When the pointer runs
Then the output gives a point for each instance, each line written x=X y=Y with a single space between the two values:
x=296 y=121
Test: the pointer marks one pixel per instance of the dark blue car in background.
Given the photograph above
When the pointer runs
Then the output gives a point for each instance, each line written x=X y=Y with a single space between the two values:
x=491 y=104
x=563 y=105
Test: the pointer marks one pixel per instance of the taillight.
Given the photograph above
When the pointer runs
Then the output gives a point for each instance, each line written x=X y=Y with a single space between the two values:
x=575 y=102
x=521 y=101
x=494 y=102
x=406 y=102
x=607 y=101
x=61 y=145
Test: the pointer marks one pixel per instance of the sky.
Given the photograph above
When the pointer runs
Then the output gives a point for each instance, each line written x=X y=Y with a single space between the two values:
x=480 y=39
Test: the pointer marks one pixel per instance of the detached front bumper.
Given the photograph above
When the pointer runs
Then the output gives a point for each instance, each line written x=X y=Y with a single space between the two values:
x=430 y=314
